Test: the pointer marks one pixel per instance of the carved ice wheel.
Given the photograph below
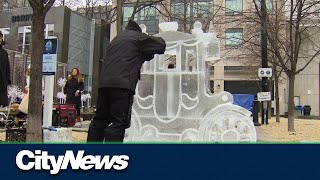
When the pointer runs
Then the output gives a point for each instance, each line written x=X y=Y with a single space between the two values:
x=227 y=126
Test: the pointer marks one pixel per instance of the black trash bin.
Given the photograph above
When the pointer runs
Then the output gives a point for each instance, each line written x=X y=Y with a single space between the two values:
x=306 y=110
x=255 y=112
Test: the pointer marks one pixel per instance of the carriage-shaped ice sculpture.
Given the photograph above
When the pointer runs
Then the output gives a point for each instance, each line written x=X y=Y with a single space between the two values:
x=172 y=101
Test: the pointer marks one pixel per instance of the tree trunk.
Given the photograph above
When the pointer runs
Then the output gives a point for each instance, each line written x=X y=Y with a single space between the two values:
x=291 y=104
x=34 y=128
x=276 y=81
x=119 y=16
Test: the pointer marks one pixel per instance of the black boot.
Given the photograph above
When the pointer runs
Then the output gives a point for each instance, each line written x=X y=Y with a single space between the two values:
x=96 y=131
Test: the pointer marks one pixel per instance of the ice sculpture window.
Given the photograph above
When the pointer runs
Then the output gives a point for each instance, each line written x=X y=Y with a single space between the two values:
x=233 y=7
x=170 y=62
x=234 y=37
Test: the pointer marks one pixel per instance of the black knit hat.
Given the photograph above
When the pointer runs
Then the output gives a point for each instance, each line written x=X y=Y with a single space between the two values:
x=134 y=25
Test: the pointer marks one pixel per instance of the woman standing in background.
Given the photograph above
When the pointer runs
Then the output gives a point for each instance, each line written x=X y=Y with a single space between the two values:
x=73 y=89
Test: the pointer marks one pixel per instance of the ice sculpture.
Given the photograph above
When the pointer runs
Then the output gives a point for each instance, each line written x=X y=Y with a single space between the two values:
x=172 y=101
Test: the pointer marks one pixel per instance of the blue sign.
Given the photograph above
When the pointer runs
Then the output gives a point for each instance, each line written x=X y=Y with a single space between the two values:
x=49 y=66
x=160 y=161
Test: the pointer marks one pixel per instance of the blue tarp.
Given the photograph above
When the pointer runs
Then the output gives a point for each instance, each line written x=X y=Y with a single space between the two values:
x=244 y=100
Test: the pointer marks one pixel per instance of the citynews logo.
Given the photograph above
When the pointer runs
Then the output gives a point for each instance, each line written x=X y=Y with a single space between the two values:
x=40 y=160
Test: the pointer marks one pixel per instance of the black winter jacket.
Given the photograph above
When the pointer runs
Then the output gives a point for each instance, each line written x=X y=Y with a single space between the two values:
x=70 y=89
x=125 y=55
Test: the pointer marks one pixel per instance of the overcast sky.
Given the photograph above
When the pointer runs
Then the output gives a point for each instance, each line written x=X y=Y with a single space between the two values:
x=75 y=3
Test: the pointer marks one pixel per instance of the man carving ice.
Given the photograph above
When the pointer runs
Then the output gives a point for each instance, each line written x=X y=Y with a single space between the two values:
x=120 y=73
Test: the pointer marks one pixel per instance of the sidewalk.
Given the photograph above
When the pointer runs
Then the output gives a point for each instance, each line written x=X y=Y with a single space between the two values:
x=262 y=136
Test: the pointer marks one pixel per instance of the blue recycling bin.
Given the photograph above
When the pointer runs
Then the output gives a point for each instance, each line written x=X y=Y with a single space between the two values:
x=300 y=108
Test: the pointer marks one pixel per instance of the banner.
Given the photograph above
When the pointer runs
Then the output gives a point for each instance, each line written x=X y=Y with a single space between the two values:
x=160 y=161
x=50 y=57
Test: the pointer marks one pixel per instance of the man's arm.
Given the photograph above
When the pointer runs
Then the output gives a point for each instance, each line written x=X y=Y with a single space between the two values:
x=150 y=45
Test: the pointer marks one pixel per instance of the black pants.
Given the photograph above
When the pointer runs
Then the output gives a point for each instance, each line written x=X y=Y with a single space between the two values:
x=4 y=98
x=113 y=115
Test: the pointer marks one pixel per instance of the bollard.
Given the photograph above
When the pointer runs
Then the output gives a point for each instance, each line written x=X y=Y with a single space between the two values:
x=256 y=105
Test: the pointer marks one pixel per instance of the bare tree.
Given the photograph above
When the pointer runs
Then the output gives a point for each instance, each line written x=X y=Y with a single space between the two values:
x=34 y=128
x=294 y=25
x=252 y=48
x=68 y=3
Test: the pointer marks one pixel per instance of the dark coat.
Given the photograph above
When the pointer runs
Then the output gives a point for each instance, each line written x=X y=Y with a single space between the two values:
x=4 y=70
x=70 y=88
x=125 y=55
x=4 y=76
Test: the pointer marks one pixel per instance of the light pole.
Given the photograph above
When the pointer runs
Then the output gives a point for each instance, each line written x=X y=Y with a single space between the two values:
x=264 y=55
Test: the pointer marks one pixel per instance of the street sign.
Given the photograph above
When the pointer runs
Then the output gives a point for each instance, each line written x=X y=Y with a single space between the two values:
x=264 y=96
x=265 y=72
x=49 y=66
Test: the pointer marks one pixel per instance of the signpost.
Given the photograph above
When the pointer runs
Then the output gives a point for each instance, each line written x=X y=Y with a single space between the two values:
x=265 y=72
x=264 y=96
x=49 y=71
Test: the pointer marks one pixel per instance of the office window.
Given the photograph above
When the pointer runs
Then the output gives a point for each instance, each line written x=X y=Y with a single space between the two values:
x=186 y=13
x=127 y=12
x=234 y=38
x=5 y=32
x=49 y=30
x=24 y=37
x=148 y=16
x=199 y=8
x=203 y=8
x=148 y=13
x=233 y=7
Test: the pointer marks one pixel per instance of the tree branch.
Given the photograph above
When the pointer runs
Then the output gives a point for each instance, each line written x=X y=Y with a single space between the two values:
x=48 y=6
x=310 y=60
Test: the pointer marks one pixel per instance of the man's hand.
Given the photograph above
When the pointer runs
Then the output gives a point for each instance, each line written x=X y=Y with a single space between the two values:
x=149 y=57
x=9 y=81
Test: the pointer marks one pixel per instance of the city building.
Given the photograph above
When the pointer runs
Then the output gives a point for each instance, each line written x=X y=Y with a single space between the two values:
x=81 y=41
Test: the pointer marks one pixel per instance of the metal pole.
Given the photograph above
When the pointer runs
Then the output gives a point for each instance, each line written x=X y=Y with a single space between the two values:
x=264 y=54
